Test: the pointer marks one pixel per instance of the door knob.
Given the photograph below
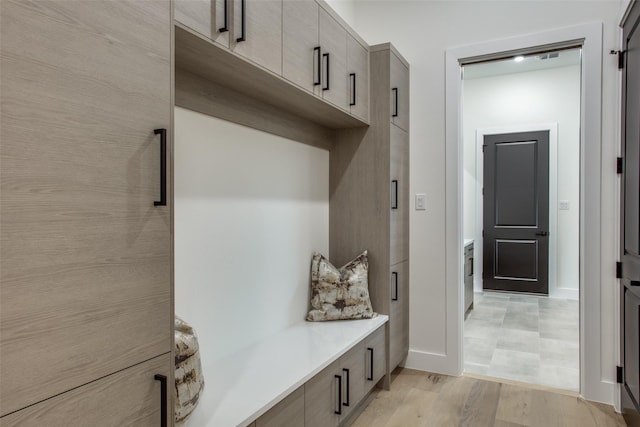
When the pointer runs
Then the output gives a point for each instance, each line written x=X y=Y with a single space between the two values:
x=542 y=233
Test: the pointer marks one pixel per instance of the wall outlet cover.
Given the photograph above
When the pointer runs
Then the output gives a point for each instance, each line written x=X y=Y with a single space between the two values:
x=564 y=205
x=421 y=202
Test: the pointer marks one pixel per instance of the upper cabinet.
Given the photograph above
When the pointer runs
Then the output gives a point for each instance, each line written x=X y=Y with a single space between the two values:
x=301 y=51
x=207 y=17
x=333 y=42
x=257 y=32
x=358 y=73
x=399 y=92
x=309 y=62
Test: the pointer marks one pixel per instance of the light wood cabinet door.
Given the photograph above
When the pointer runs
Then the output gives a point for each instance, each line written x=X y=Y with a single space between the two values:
x=257 y=32
x=321 y=397
x=206 y=17
x=358 y=72
x=399 y=220
x=353 y=378
x=85 y=280
x=289 y=412
x=399 y=93
x=399 y=314
x=301 y=52
x=131 y=397
x=375 y=363
x=333 y=40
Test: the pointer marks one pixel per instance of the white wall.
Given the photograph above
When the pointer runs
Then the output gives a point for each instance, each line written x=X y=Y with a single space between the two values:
x=250 y=208
x=536 y=97
x=423 y=31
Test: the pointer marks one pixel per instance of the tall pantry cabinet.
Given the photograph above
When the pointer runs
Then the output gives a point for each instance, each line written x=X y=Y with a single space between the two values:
x=369 y=195
x=86 y=307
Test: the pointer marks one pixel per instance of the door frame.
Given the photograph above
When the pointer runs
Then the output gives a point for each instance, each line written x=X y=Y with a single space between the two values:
x=589 y=37
x=552 y=128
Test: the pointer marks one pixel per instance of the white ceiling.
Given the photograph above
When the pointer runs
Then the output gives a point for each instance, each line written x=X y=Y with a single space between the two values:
x=532 y=62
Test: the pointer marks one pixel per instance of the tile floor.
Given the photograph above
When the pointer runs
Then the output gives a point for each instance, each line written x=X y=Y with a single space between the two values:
x=523 y=338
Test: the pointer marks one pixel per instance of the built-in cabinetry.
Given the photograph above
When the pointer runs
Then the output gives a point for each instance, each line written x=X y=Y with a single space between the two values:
x=86 y=307
x=302 y=43
x=371 y=168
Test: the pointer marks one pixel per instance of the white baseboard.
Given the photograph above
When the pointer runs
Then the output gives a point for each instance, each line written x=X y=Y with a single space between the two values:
x=431 y=362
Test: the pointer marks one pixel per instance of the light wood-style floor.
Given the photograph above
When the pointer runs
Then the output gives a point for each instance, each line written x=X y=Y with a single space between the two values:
x=423 y=399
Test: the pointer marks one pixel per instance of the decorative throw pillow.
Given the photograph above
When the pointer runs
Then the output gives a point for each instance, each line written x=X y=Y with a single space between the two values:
x=338 y=294
x=188 y=376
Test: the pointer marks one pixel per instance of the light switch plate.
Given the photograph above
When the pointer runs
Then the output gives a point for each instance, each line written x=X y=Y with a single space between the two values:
x=564 y=205
x=421 y=202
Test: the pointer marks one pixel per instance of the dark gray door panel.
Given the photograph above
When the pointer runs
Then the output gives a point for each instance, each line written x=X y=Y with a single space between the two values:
x=516 y=212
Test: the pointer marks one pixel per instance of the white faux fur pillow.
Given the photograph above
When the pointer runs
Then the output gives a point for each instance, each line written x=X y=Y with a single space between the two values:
x=338 y=294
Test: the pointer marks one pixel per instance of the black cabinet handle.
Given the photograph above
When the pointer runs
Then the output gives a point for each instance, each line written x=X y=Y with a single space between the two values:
x=395 y=102
x=339 y=411
x=225 y=27
x=243 y=22
x=163 y=167
x=370 y=376
x=542 y=233
x=634 y=282
x=395 y=194
x=326 y=55
x=317 y=78
x=346 y=371
x=471 y=261
x=353 y=89
x=394 y=274
x=163 y=399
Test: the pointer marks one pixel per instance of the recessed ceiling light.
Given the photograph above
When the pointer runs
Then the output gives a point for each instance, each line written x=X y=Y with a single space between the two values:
x=519 y=58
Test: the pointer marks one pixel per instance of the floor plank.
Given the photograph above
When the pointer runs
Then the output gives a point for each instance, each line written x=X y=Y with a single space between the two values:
x=422 y=399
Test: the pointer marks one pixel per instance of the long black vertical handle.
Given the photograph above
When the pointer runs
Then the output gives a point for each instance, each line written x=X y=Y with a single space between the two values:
x=326 y=55
x=163 y=399
x=339 y=411
x=225 y=27
x=395 y=194
x=243 y=23
x=163 y=167
x=471 y=272
x=317 y=81
x=395 y=102
x=346 y=371
x=394 y=274
x=353 y=89
x=370 y=376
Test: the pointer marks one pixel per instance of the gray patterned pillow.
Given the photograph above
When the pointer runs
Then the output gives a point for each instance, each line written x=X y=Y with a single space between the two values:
x=338 y=294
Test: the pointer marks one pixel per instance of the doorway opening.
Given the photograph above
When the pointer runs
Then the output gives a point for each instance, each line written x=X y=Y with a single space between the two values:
x=521 y=217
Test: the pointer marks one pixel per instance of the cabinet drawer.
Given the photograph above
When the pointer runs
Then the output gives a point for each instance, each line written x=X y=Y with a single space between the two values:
x=321 y=402
x=131 y=397
x=288 y=413
x=375 y=360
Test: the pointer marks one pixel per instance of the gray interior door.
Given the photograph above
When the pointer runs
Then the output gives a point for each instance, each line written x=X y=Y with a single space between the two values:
x=516 y=212
x=630 y=221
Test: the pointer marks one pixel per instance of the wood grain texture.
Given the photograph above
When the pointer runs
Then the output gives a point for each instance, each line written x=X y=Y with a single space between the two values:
x=127 y=398
x=377 y=342
x=263 y=32
x=400 y=80
x=299 y=38
x=201 y=95
x=288 y=413
x=86 y=256
x=424 y=399
x=195 y=14
x=358 y=63
x=205 y=59
x=399 y=315
x=400 y=217
x=321 y=399
x=333 y=39
x=353 y=362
